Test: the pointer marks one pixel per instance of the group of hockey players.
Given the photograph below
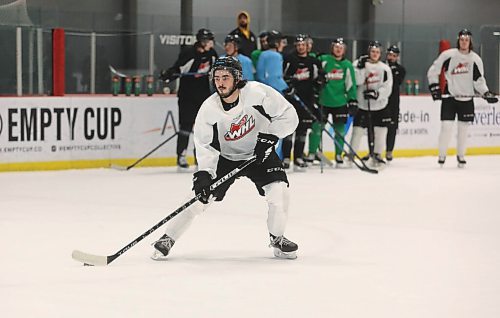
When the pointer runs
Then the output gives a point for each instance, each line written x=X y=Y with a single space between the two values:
x=249 y=112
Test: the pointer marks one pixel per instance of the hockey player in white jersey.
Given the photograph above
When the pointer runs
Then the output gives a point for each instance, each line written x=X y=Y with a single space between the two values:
x=374 y=82
x=240 y=120
x=464 y=74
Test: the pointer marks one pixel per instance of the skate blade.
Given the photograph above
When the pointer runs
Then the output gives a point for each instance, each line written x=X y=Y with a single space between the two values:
x=285 y=255
x=158 y=256
x=461 y=165
x=183 y=170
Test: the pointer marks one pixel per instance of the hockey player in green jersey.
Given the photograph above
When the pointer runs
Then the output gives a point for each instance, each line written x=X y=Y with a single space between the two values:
x=337 y=97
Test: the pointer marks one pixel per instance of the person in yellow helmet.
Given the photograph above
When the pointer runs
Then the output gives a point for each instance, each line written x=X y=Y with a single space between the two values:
x=248 y=41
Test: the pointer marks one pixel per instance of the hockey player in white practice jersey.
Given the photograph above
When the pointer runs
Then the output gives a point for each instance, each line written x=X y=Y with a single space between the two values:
x=464 y=75
x=374 y=83
x=240 y=120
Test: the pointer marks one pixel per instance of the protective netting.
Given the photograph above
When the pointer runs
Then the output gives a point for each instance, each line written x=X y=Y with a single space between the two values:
x=14 y=12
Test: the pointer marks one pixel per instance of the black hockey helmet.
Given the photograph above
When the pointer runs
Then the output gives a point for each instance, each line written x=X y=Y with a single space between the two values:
x=232 y=65
x=204 y=34
x=300 y=38
x=235 y=38
x=338 y=41
x=374 y=44
x=393 y=49
x=274 y=38
x=263 y=34
x=464 y=32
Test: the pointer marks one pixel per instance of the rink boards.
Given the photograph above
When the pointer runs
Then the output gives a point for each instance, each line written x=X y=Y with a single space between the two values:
x=46 y=133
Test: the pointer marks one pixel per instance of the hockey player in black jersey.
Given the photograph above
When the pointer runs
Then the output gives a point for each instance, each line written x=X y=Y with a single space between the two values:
x=398 y=75
x=301 y=72
x=192 y=66
x=464 y=73
x=241 y=120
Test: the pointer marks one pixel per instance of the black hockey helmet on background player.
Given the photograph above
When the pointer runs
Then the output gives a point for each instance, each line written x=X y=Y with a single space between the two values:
x=233 y=38
x=393 y=49
x=233 y=66
x=465 y=33
x=274 y=39
x=300 y=38
x=204 y=39
x=204 y=35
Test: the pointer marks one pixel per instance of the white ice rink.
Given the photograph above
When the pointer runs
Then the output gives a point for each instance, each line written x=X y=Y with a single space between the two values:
x=414 y=241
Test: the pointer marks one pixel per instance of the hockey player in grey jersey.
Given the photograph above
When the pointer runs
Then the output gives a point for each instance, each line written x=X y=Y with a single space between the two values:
x=464 y=74
x=240 y=120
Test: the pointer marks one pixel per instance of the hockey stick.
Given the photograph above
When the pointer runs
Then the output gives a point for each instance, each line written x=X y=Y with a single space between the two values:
x=101 y=260
x=143 y=157
x=371 y=132
x=465 y=96
x=352 y=154
x=115 y=72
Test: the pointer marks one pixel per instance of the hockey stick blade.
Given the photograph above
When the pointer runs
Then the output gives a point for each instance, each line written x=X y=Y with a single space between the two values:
x=90 y=259
x=117 y=167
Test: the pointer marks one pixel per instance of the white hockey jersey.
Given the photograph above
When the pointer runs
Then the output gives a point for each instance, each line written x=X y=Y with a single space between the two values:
x=464 y=73
x=233 y=133
x=376 y=76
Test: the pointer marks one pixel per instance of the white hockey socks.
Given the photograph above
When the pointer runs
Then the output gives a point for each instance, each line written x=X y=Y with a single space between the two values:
x=462 y=138
x=277 y=198
x=444 y=136
x=380 y=139
x=357 y=133
x=178 y=225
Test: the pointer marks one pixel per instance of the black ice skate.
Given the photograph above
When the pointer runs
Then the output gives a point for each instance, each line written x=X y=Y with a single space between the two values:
x=388 y=156
x=461 y=162
x=283 y=247
x=286 y=163
x=162 y=248
x=182 y=164
x=376 y=161
x=299 y=165
x=441 y=161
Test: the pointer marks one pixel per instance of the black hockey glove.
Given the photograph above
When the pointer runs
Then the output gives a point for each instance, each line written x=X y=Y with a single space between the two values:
x=435 y=91
x=352 y=107
x=201 y=185
x=264 y=147
x=167 y=75
x=370 y=94
x=490 y=97
x=362 y=61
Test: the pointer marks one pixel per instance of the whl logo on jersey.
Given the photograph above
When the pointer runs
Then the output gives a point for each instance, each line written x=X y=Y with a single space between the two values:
x=203 y=69
x=302 y=74
x=335 y=74
x=461 y=68
x=372 y=78
x=240 y=129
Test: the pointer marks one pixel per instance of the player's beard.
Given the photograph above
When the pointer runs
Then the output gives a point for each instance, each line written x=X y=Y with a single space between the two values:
x=228 y=91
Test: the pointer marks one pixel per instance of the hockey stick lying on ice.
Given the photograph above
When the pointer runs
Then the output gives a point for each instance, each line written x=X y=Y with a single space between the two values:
x=143 y=157
x=352 y=154
x=98 y=260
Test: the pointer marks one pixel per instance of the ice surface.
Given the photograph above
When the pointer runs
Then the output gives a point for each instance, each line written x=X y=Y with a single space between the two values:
x=414 y=241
